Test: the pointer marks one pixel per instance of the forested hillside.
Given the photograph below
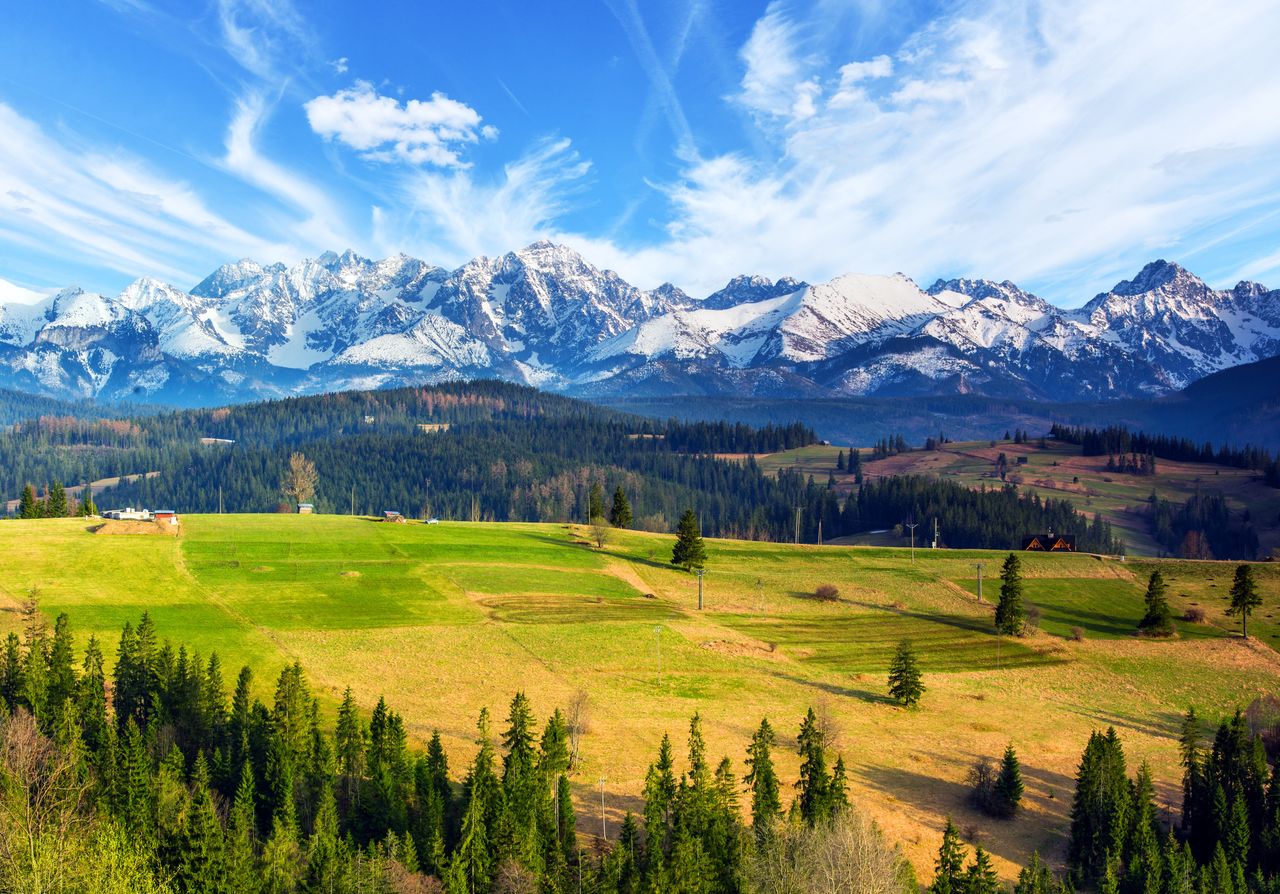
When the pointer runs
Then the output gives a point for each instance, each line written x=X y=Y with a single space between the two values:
x=476 y=451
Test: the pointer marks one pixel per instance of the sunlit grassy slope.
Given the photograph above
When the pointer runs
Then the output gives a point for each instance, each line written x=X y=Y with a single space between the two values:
x=1058 y=471
x=445 y=619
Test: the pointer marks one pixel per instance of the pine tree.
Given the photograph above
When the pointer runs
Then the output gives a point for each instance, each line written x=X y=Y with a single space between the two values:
x=905 y=680
x=201 y=863
x=57 y=505
x=61 y=674
x=762 y=781
x=1244 y=597
x=242 y=834
x=1158 y=620
x=814 y=800
x=620 y=513
x=980 y=877
x=1010 y=615
x=91 y=697
x=840 y=467
x=1008 y=785
x=28 y=505
x=689 y=551
x=595 y=501
x=948 y=873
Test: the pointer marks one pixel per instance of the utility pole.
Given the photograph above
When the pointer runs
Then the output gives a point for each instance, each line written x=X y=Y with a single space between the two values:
x=978 y=565
x=219 y=499
x=913 y=526
x=700 y=572
x=353 y=500
x=604 y=829
x=797 y=526
x=819 y=532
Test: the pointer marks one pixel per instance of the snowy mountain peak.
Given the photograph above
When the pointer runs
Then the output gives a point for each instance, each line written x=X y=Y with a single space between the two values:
x=545 y=315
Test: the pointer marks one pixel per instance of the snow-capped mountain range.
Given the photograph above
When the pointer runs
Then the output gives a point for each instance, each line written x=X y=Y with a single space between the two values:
x=546 y=316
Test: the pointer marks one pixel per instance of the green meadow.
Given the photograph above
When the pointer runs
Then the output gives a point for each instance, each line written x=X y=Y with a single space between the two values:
x=446 y=619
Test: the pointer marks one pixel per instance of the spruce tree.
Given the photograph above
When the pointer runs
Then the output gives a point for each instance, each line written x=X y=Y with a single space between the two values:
x=905 y=680
x=242 y=834
x=1010 y=615
x=28 y=505
x=1008 y=785
x=1158 y=619
x=814 y=800
x=980 y=877
x=57 y=505
x=1244 y=597
x=620 y=512
x=948 y=872
x=595 y=501
x=689 y=552
x=762 y=781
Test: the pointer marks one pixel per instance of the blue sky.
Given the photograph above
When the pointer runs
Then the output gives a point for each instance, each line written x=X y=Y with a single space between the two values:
x=1061 y=145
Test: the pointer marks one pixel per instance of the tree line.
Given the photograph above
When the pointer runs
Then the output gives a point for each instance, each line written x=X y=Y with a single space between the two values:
x=1115 y=440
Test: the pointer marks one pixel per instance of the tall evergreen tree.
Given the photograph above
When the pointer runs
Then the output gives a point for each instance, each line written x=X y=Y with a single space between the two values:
x=1008 y=785
x=813 y=802
x=620 y=512
x=762 y=781
x=948 y=872
x=689 y=552
x=1244 y=597
x=1158 y=619
x=595 y=501
x=1010 y=614
x=905 y=680
x=57 y=504
x=28 y=505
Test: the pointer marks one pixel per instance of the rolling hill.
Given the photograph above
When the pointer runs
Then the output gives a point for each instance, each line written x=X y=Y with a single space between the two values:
x=405 y=611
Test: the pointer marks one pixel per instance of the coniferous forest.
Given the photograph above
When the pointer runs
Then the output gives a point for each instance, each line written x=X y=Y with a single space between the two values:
x=492 y=451
x=158 y=775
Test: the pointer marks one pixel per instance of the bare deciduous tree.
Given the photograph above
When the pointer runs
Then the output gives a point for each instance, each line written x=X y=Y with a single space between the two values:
x=300 y=479
x=849 y=853
x=577 y=722
x=600 y=532
x=41 y=815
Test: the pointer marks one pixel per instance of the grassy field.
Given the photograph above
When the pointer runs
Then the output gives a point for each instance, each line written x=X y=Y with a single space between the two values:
x=445 y=619
x=1059 y=471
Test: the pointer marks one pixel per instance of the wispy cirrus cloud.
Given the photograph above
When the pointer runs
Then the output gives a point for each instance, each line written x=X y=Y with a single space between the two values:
x=453 y=216
x=108 y=207
x=1026 y=139
x=381 y=128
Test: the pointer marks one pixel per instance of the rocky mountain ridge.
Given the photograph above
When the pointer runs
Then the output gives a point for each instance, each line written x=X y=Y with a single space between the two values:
x=546 y=316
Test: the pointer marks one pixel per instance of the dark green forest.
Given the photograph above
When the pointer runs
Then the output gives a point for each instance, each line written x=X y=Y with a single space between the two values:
x=488 y=451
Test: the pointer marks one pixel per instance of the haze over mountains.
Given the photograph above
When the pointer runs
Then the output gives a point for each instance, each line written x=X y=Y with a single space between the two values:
x=546 y=316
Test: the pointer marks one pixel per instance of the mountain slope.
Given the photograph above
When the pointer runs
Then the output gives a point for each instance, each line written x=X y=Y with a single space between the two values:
x=545 y=316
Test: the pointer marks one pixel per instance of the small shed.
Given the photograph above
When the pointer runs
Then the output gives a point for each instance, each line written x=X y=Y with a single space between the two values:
x=390 y=515
x=306 y=509
x=166 y=516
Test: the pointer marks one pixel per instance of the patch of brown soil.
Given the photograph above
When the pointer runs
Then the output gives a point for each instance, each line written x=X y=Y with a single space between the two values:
x=741 y=649
x=350 y=574
x=111 y=526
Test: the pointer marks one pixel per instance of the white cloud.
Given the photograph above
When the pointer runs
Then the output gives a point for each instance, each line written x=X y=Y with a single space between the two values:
x=774 y=82
x=322 y=222
x=879 y=67
x=107 y=207
x=381 y=128
x=1060 y=143
x=450 y=217
x=339 y=66
x=260 y=35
